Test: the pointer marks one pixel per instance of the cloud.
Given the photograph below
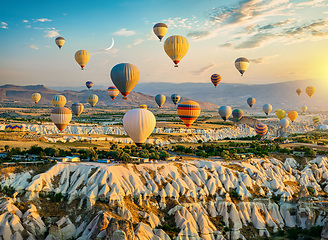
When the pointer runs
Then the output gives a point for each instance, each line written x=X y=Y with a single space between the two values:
x=52 y=33
x=124 y=32
x=198 y=34
x=312 y=3
x=204 y=69
x=317 y=28
x=112 y=51
x=275 y=25
x=180 y=23
x=256 y=40
x=262 y=59
x=25 y=21
x=3 y=25
x=33 y=47
x=42 y=20
x=136 y=42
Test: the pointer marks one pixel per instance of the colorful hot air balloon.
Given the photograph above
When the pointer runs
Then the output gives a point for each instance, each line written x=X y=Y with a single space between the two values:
x=242 y=64
x=188 y=112
x=143 y=106
x=125 y=77
x=261 y=129
x=251 y=101
x=82 y=57
x=89 y=84
x=61 y=116
x=36 y=97
x=60 y=41
x=160 y=29
x=160 y=99
x=280 y=113
x=292 y=115
x=216 y=79
x=175 y=98
x=92 y=100
x=15 y=127
x=225 y=112
x=176 y=47
x=113 y=92
x=139 y=124
x=304 y=108
x=59 y=101
x=267 y=108
x=298 y=91
x=284 y=123
x=310 y=91
x=316 y=119
x=77 y=108
x=237 y=114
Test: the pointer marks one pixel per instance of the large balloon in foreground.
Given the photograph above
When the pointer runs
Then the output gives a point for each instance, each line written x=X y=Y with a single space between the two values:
x=160 y=99
x=59 y=101
x=139 y=124
x=267 y=108
x=176 y=47
x=261 y=129
x=284 y=123
x=215 y=78
x=242 y=64
x=280 y=113
x=310 y=91
x=237 y=114
x=292 y=115
x=89 y=84
x=77 y=108
x=113 y=92
x=61 y=116
x=316 y=119
x=60 y=41
x=251 y=101
x=175 y=98
x=298 y=91
x=36 y=97
x=92 y=100
x=82 y=57
x=125 y=77
x=225 y=112
x=304 y=108
x=188 y=112
x=160 y=29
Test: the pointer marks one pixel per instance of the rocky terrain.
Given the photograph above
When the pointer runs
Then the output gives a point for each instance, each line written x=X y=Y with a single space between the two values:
x=209 y=200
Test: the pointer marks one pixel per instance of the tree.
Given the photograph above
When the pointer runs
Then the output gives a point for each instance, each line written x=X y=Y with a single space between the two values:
x=125 y=157
x=7 y=148
x=144 y=153
x=164 y=155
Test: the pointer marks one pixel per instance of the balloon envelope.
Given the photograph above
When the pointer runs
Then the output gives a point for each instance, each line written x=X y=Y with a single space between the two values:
x=175 y=98
x=60 y=41
x=237 y=114
x=36 y=97
x=225 y=112
x=280 y=113
x=61 y=116
x=160 y=29
x=216 y=79
x=304 y=108
x=251 y=101
x=298 y=91
x=188 y=112
x=241 y=64
x=160 y=99
x=139 y=124
x=176 y=47
x=89 y=84
x=310 y=91
x=143 y=106
x=284 y=123
x=267 y=108
x=261 y=129
x=316 y=119
x=92 y=100
x=292 y=115
x=113 y=92
x=59 y=101
x=322 y=127
x=82 y=57
x=77 y=108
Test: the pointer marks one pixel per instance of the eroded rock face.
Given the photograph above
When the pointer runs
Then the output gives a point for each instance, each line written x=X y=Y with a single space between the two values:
x=324 y=234
x=120 y=225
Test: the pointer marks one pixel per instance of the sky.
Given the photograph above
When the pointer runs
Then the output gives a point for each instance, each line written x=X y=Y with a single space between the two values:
x=284 y=40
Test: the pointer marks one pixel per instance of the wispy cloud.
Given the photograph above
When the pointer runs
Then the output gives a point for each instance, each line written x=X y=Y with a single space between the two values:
x=51 y=33
x=263 y=59
x=124 y=32
x=204 y=69
x=42 y=20
x=33 y=47
x=180 y=23
x=198 y=34
x=112 y=51
x=136 y=42
x=3 y=25
x=25 y=21
x=311 y=3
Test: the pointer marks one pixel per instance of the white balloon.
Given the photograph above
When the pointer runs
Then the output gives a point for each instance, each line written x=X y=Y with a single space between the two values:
x=284 y=123
x=322 y=127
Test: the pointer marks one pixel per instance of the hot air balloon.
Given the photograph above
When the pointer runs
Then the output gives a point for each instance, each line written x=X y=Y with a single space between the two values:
x=216 y=79
x=61 y=116
x=325 y=122
x=82 y=57
x=237 y=114
x=261 y=129
x=77 y=108
x=176 y=47
x=59 y=101
x=113 y=92
x=316 y=119
x=15 y=128
x=188 y=112
x=125 y=77
x=143 y=106
x=304 y=108
x=36 y=97
x=175 y=98
x=160 y=99
x=292 y=115
x=284 y=123
x=93 y=99
x=139 y=124
x=89 y=84
x=242 y=64
x=225 y=112
x=310 y=91
x=267 y=108
x=160 y=29
x=251 y=101
x=280 y=113
x=60 y=41
x=298 y=91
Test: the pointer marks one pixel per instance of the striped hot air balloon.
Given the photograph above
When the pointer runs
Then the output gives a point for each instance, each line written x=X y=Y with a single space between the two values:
x=160 y=99
x=89 y=84
x=82 y=57
x=237 y=114
x=188 y=112
x=310 y=91
x=267 y=108
x=92 y=100
x=241 y=64
x=298 y=91
x=143 y=106
x=36 y=97
x=225 y=112
x=176 y=47
x=261 y=129
x=60 y=42
x=251 y=101
x=113 y=92
x=77 y=108
x=175 y=98
x=14 y=127
x=59 y=101
x=160 y=29
x=316 y=119
x=216 y=79
x=61 y=116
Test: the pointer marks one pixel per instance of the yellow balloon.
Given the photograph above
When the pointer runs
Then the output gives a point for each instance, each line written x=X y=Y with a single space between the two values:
x=292 y=115
x=36 y=97
x=299 y=91
x=82 y=57
x=60 y=41
x=160 y=29
x=59 y=101
x=304 y=108
x=93 y=99
x=310 y=91
x=280 y=113
x=176 y=47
